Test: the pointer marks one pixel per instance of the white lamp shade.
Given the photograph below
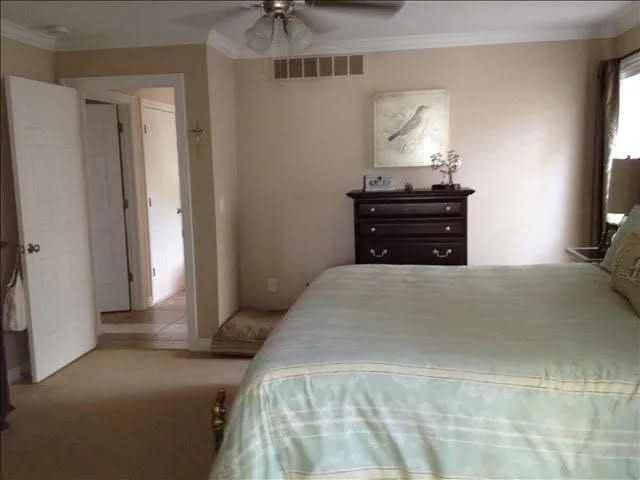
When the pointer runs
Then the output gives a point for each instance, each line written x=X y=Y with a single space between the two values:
x=260 y=35
x=624 y=186
x=298 y=34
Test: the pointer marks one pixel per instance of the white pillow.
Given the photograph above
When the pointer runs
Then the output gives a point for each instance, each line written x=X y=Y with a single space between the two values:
x=631 y=224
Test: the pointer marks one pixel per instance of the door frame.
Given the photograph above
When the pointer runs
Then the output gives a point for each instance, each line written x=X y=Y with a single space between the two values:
x=97 y=86
x=135 y=225
x=154 y=104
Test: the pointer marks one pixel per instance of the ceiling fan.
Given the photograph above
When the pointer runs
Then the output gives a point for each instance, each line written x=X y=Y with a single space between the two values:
x=296 y=18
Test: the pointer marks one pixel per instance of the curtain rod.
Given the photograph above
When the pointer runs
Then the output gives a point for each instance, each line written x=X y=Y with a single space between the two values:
x=637 y=50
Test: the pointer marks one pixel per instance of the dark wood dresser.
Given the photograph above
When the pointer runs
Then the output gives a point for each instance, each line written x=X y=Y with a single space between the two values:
x=420 y=227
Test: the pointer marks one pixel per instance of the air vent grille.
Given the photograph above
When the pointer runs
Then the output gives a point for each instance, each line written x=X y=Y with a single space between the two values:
x=315 y=67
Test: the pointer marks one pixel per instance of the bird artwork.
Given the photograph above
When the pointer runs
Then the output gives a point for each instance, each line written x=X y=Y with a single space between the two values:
x=409 y=136
x=409 y=126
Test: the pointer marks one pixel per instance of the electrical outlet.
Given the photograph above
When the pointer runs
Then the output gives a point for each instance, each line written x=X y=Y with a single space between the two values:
x=272 y=285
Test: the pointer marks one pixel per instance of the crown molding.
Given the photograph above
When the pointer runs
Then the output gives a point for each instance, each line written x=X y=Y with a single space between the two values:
x=224 y=45
x=158 y=40
x=418 y=42
x=21 y=34
x=626 y=19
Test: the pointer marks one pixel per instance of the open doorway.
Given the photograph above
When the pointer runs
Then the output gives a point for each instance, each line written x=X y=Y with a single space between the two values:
x=138 y=256
x=48 y=153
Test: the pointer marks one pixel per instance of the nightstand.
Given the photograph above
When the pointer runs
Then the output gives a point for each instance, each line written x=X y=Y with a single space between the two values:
x=585 y=254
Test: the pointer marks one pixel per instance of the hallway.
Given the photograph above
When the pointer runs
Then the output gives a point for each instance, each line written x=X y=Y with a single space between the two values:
x=163 y=326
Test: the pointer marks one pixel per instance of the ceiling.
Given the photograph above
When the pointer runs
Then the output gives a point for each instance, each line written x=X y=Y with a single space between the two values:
x=114 y=24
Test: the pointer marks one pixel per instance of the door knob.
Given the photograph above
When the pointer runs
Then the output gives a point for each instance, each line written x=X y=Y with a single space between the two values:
x=33 y=248
x=179 y=211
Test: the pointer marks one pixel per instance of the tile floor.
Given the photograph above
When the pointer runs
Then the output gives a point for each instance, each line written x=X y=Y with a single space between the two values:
x=163 y=326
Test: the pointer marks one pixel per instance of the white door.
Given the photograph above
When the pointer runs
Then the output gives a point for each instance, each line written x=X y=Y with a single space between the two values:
x=49 y=173
x=106 y=206
x=163 y=202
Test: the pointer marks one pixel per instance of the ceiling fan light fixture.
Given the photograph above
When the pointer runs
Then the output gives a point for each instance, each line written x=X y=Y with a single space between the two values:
x=298 y=33
x=260 y=35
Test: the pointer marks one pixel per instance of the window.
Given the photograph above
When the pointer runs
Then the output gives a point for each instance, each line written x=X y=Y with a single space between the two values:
x=626 y=146
x=627 y=143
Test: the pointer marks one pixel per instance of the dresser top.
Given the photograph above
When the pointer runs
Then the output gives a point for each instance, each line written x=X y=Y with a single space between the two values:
x=416 y=193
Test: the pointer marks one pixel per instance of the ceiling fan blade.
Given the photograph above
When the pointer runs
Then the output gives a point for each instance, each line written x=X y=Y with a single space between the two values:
x=377 y=8
x=219 y=15
x=315 y=24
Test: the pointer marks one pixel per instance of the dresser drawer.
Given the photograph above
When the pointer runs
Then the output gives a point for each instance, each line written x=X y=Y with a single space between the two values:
x=411 y=228
x=410 y=252
x=409 y=209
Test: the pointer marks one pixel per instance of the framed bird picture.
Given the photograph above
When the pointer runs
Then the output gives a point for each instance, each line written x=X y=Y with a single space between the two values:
x=408 y=127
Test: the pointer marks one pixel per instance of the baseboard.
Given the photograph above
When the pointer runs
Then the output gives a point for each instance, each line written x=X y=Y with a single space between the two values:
x=201 y=345
x=18 y=372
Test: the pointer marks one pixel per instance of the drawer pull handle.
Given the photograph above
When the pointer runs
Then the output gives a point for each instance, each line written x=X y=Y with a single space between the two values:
x=437 y=253
x=447 y=228
x=448 y=208
x=373 y=229
x=380 y=255
x=372 y=209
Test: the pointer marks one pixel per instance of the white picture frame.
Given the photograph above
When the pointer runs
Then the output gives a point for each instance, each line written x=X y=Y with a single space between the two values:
x=409 y=127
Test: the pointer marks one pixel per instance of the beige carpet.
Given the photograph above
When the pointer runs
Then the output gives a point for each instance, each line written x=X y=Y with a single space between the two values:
x=118 y=414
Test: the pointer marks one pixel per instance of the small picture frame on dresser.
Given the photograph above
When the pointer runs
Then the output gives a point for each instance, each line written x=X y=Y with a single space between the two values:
x=377 y=183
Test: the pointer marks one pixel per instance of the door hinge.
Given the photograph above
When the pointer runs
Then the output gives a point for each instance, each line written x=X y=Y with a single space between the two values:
x=120 y=127
x=153 y=271
x=145 y=129
x=130 y=277
x=149 y=201
x=125 y=203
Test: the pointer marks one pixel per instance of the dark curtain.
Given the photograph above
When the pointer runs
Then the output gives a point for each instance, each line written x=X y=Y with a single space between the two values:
x=606 y=128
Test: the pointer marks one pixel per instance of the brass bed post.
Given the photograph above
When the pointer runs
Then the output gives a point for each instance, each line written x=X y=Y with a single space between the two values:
x=218 y=416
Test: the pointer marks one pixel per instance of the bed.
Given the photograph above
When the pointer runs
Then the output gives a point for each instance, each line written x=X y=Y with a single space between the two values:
x=418 y=372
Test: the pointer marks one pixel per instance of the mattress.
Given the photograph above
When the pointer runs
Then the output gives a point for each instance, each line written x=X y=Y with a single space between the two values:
x=425 y=372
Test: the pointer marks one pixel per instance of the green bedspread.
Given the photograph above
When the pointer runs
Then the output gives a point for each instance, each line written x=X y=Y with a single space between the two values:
x=384 y=372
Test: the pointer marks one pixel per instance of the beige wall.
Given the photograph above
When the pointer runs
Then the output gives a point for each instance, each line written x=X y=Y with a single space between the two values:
x=627 y=42
x=30 y=62
x=222 y=99
x=163 y=95
x=191 y=60
x=520 y=119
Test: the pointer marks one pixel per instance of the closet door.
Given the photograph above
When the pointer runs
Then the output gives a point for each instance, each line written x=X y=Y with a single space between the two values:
x=163 y=202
